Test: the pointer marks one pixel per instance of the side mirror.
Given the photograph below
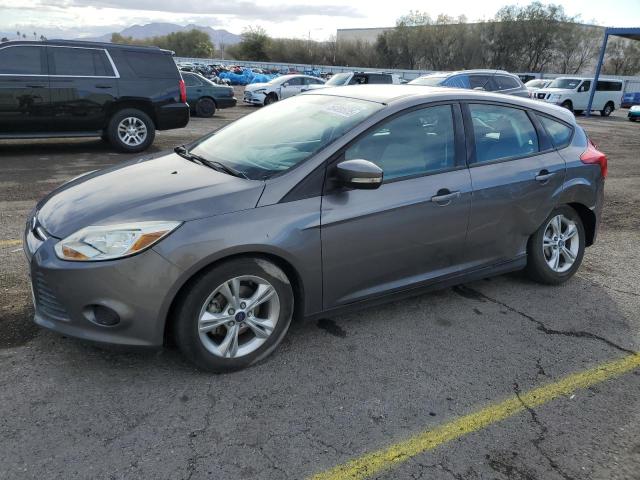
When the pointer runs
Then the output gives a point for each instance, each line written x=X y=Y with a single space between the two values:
x=360 y=174
x=285 y=84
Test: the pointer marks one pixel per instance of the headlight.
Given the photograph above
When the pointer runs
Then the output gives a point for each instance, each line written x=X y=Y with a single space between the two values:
x=635 y=108
x=112 y=241
x=555 y=97
x=260 y=90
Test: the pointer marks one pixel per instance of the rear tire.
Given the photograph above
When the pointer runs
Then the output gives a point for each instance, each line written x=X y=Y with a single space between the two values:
x=607 y=110
x=555 y=250
x=205 y=108
x=236 y=341
x=131 y=130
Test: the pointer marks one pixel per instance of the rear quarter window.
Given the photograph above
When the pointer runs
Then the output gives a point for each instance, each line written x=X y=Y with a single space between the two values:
x=150 y=64
x=505 y=83
x=559 y=132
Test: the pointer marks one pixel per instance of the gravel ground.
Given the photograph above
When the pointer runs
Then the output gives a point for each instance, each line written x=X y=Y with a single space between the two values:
x=339 y=387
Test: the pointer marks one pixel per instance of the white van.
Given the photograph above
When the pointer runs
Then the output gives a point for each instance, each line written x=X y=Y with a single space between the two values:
x=573 y=93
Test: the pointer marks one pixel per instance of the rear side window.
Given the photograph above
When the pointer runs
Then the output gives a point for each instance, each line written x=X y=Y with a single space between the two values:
x=80 y=62
x=380 y=79
x=21 y=60
x=607 y=86
x=505 y=83
x=151 y=64
x=559 y=132
x=502 y=132
x=191 y=80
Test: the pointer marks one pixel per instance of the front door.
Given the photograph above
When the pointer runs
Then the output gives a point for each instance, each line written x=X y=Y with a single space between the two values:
x=25 y=105
x=83 y=87
x=291 y=87
x=412 y=229
x=516 y=178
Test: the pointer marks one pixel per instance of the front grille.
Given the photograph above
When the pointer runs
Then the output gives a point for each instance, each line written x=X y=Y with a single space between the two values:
x=541 y=96
x=46 y=300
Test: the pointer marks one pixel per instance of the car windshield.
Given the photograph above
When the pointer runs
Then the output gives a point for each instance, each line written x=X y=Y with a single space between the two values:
x=283 y=135
x=569 y=83
x=338 y=79
x=429 y=81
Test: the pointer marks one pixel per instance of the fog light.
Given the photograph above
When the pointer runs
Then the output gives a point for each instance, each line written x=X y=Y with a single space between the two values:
x=105 y=316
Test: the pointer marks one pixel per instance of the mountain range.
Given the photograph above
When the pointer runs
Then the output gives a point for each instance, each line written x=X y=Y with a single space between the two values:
x=218 y=36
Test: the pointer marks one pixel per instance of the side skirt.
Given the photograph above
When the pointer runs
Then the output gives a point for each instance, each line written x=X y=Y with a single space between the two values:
x=463 y=277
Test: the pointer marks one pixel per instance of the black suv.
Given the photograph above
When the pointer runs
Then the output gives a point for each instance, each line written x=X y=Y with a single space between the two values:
x=65 y=88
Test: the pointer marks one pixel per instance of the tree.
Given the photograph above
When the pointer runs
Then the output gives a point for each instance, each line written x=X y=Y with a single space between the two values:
x=253 y=46
x=193 y=43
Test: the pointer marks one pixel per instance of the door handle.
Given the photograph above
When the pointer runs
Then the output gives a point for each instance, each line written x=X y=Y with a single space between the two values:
x=445 y=196
x=544 y=176
x=103 y=86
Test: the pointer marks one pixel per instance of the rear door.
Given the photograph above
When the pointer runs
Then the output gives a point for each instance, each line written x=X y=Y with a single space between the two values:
x=412 y=229
x=83 y=87
x=25 y=102
x=516 y=175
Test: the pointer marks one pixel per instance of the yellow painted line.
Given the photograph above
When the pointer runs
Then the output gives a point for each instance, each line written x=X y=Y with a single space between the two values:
x=377 y=461
x=9 y=243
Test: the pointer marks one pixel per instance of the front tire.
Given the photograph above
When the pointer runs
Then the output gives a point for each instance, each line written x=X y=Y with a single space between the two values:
x=205 y=108
x=234 y=314
x=131 y=130
x=568 y=105
x=269 y=99
x=555 y=250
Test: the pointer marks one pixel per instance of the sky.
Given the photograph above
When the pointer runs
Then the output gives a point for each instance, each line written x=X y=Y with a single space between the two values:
x=317 y=19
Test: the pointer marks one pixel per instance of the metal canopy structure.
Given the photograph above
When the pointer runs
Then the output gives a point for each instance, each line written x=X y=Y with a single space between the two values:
x=630 y=33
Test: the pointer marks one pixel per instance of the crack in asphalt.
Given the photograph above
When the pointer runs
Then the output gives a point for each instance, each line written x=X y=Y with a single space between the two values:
x=537 y=442
x=192 y=461
x=473 y=294
x=437 y=466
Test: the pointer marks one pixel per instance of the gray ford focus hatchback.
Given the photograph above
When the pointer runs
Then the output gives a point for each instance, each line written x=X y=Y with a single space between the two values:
x=327 y=201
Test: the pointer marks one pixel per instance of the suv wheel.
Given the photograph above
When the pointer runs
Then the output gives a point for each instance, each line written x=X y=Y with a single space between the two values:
x=131 y=130
x=271 y=98
x=234 y=315
x=607 y=110
x=205 y=107
x=568 y=105
x=555 y=250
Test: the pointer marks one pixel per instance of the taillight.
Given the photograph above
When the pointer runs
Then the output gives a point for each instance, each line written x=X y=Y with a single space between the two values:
x=183 y=91
x=593 y=155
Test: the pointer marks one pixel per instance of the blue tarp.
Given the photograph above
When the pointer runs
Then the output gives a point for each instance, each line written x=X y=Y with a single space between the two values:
x=246 y=77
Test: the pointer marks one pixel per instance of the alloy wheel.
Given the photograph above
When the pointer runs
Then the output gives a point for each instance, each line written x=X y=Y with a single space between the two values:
x=560 y=243
x=132 y=131
x=238 y=316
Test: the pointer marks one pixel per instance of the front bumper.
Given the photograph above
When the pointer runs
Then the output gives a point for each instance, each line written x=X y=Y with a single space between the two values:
x=254 y=98
x=65 y=294
x=634 y=115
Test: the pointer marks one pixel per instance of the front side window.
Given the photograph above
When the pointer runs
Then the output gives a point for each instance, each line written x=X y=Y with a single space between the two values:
x=480 y=81
x=264 y=143
x=338 y=79
x=559 y=132
x=414 y=143
x=81 y=62
x=21 y=60
x=458 y=81
x=502 y=132
x=585 y=87
x=505 y=83
x=293 y=82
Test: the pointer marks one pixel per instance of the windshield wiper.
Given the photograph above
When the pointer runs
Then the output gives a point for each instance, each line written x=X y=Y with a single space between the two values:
x=217 y=166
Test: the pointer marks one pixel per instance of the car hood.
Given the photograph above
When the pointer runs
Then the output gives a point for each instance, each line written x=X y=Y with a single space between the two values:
x=166 y=187
x=255 y=86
